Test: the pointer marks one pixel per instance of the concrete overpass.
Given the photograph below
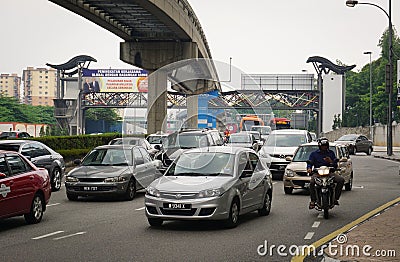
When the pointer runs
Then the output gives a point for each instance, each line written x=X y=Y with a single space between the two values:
x=158 y=34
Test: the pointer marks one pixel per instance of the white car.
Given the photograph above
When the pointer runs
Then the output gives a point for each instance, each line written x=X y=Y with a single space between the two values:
x=281 y=144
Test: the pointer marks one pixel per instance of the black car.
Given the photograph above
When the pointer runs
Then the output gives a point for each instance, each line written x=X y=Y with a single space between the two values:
x=41 y=156
x=174 y=144
x=14 y=134
x=356 y=143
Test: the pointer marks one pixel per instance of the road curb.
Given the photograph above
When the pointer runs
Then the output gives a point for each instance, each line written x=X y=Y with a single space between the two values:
x=388 y=158
x=317 y=244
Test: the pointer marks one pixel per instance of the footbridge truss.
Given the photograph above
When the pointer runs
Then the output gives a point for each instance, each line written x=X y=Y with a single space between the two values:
x=239 y=99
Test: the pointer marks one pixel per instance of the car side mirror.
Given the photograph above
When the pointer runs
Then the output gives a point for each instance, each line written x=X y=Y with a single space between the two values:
x=2 y=175
x=158 y=147
x=358 y=140
x=343 y=159
x=289 y=158
x=77 y=162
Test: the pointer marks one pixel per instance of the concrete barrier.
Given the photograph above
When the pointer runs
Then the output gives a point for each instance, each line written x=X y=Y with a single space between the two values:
x=379 y=134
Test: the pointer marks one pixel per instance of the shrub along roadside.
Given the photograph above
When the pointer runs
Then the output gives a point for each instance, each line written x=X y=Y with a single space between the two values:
x=75 y=147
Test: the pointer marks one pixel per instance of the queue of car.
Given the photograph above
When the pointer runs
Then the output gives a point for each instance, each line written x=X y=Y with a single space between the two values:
x=193 y=175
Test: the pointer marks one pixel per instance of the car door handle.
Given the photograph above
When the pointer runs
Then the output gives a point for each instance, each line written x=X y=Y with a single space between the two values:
x=11 y=182
x=31 y=177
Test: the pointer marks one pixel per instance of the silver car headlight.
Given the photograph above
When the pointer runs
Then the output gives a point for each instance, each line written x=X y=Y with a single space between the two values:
x=151 y=191
x=71 y=179
x=115 y=179
x=210 y=193
x=289 y=173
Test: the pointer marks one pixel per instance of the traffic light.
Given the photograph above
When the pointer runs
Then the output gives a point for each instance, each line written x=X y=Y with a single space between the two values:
x=388 y=79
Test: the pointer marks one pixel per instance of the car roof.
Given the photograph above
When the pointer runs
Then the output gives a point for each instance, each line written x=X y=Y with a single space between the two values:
x=220 y=149
x=289 y=131
x=125 y=146
x=16 y=141
x=316 y=144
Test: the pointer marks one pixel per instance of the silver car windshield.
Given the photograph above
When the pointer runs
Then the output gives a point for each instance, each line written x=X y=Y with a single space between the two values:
x=239 y=139
x=347 y=138
x=303 y=153
x=186 y=141
x=264 y=130
x=203 y=164
x=108 y=157
x=285 y=140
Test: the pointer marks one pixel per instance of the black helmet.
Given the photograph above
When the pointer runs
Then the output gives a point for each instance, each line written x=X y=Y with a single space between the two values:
x=323 y=141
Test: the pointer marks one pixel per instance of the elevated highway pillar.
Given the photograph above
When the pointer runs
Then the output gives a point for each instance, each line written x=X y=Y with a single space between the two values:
x=155 y=57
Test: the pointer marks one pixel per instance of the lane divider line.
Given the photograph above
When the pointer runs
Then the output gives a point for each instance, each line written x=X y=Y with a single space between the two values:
x=347 y=227
x=71 y=235
x=309 y=235
x=316 y=224
x=47 y=235
x=320 y=215
x=51 y=205
x=140 y=208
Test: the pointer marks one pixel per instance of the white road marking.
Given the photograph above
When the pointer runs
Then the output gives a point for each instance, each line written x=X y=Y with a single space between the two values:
x=55 y=204
x=358 y=187
x=71 y=235
x=47 y=235
x=309 y=235
x=140 y=208
x=320 y=215
x=316 y=224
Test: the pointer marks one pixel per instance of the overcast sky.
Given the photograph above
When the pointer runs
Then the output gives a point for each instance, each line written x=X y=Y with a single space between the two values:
x=261 y=36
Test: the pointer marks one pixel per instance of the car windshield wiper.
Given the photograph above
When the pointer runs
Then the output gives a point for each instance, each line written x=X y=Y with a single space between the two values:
x=187 y=174
x=120 y=164
x=217 y=174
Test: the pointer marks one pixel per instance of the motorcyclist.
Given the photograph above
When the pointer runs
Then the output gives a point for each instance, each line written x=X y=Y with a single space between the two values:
x=323 y=157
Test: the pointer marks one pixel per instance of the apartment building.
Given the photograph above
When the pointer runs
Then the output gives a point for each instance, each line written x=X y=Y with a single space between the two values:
x=10 y=85
x=40 y=86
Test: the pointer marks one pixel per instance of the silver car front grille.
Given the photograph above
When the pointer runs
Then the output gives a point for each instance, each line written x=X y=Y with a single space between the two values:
x=171 y=195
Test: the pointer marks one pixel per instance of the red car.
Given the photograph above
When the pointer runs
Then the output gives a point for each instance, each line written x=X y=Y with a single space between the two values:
x=24 y=188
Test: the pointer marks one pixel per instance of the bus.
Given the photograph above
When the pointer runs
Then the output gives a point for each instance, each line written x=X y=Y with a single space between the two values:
x=248 y=121
x=280 y=123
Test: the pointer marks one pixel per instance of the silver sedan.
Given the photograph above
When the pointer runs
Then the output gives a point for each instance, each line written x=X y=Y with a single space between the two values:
x=118 y=170
x=214 y=183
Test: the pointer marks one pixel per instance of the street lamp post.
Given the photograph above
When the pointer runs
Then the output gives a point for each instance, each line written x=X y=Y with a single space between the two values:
x=370 y=94
x=351 y=3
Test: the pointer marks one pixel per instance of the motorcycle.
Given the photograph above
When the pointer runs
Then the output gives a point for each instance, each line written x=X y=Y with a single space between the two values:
x=325 y=189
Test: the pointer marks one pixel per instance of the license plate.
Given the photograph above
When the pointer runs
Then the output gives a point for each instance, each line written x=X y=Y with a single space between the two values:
x=90 y=188
x=177 y=206
x=307 y=185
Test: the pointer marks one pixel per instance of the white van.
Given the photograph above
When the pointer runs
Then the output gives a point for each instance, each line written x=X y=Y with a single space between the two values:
x=283 y=143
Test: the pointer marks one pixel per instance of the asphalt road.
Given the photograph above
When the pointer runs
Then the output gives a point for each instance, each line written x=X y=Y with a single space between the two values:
x=107 y=230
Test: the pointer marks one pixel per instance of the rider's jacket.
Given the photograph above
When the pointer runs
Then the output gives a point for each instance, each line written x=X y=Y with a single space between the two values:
x=316 y=159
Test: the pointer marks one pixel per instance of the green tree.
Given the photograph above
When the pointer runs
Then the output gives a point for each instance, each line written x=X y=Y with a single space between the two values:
x=357 y=88
x=107 y=114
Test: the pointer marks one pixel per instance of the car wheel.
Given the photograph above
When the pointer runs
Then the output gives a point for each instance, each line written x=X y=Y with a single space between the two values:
x=155 y=222
x=56 y=179
x=72 y=197
x=266 y=208
x=233 y=214
x=369 y=151
x=349 y=185
x=131 y=190
x=288 y=190
x=36 y=212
